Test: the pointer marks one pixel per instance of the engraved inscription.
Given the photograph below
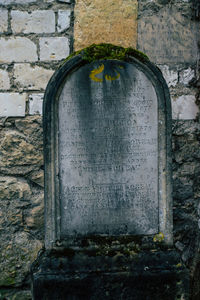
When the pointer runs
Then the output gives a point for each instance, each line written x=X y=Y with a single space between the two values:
x=108 y=151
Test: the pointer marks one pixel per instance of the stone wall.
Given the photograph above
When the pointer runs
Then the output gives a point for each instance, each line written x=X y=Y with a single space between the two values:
x=34 y=38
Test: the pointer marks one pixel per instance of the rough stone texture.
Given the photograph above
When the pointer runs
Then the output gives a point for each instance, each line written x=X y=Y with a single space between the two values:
x=112 y=274
x=12 y=294
x=3 y=20
x=170 y=76
x=35 y=104
x=4 y=80
x=40 y=21
x=12 y=104
x=54 y=48
x=31 y=78
x=18 y=49
x=186 y=179
x=21 y=151
x=21 y=147
x=21 y=203
x=166 y=31
x=16 y=257
x=63 y=20
x=184 y=107
x=100 y=21
x=7 y=2
x=185 y=76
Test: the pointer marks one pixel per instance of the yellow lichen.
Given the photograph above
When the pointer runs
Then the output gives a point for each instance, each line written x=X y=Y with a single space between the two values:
x=158 y=237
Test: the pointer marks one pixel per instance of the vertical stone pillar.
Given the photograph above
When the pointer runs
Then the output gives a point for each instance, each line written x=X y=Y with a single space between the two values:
x=103 y=21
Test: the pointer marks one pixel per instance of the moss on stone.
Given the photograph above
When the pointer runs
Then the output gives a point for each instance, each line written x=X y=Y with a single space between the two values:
x=108 y=51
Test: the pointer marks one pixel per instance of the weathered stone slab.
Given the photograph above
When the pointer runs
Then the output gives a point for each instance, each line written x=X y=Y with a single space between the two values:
x=108 y=151
x=169 y=36
x=102 y=21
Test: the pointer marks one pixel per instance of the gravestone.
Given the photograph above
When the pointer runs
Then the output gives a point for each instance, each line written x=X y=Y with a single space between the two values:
x=107 y=150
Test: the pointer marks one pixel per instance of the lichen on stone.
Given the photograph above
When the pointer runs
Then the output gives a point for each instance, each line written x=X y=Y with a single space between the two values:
x=108 y=51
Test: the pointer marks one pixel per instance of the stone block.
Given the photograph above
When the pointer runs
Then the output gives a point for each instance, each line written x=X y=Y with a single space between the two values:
x=167 y=35
x=35 y=104
x=18 y=49
x=16 y=150
x=65 y=1
x=4 y=80
x=185 y=76
x=184 y=107
x=17 y=254
x=39 y=21
x=31 y=78
x=12 y=104
x=170 y=76
x=7 y=2
x=63 y=20
x=12 y=188
x=3 y=20
x=54 y=48
x=102 y=21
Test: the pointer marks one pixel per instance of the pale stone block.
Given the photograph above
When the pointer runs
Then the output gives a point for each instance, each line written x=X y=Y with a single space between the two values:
x=3 y=20
x=7 y=2
x=63 y=20
x=18 y=49
x=184 y=108
x=170 y=76
x=35 y=104
x=65 y=1
x=103 y=21
x=12 y=105
x=31 y=78
x=54 y=48
x=4 y=80
x=186 y=76
x=39 y=21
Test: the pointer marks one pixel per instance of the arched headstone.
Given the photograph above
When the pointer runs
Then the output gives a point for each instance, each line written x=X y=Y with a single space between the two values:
x=107 y=141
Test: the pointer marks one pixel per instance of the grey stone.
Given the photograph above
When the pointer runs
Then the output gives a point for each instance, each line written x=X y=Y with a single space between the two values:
x=110 y=126
x=168 y=35
x=108 y=149
x=184 y=107
x=35 y=104
x=12 y=104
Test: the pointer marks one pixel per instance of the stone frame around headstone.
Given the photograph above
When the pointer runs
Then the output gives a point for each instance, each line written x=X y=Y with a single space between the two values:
x=50 y=125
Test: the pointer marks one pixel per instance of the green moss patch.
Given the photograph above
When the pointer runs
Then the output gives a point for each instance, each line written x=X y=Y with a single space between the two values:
x=108 y=51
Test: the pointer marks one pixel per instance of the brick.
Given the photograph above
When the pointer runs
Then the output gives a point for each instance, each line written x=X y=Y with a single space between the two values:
x=103 y=21
x=39 y=21
x=35 y=104
x=54 y=48
x=3 y=20
x=184 y=108
x=63 y=20
x=185 y=76
x=18 y=49
x=7 y=2
x=12 y=105
x=4 y=80
x=31 y=78
x=170 y=76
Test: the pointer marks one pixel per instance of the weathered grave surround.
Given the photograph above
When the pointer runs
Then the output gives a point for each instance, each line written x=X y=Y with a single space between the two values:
x=102 y=197
x=107 y=143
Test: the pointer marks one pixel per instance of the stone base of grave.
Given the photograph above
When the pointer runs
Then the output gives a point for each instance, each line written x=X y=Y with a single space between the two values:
x=74 y=275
